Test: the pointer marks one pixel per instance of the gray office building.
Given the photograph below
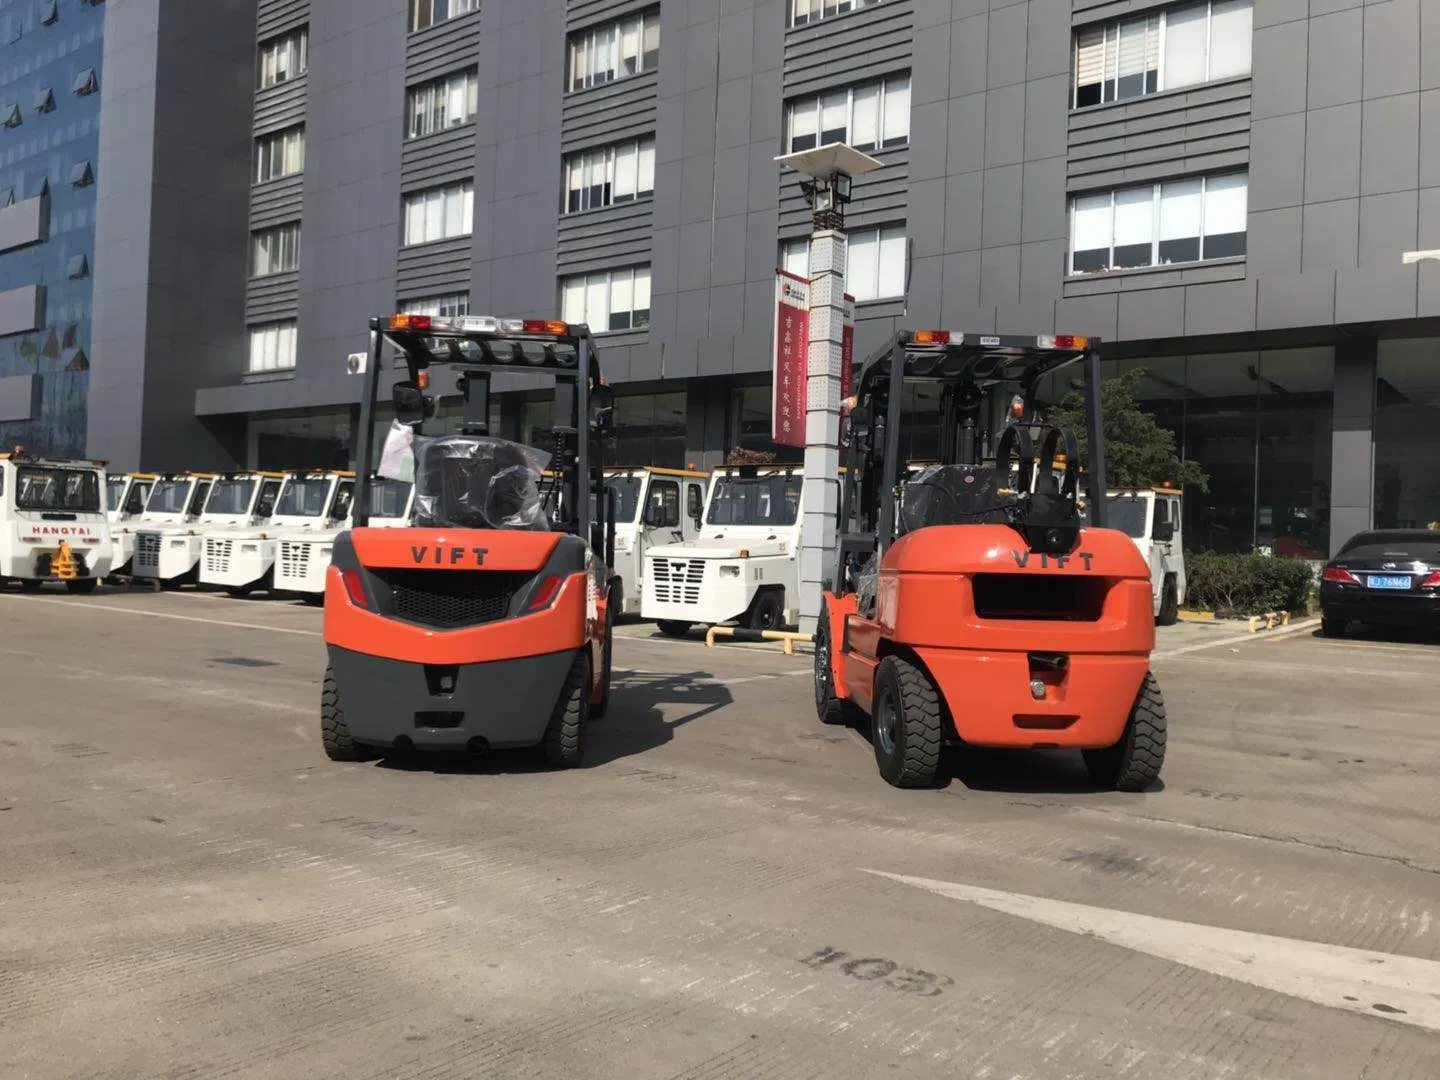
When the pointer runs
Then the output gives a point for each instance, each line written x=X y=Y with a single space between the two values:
x=1223 y=190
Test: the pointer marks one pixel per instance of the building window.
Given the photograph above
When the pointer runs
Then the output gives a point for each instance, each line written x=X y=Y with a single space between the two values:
x=284 y=58
x=609 y=175
x=1166 y=50
x=1157 y=224
x=876 y=262
x=440 y=213
x=443 y=103
x=613 y=50
x=281 y=154
x=614 y=300
x=873 y=116
x=427 y=13
x=809 y=11
x=272 y=347
x=275 y=251
x=450 y=306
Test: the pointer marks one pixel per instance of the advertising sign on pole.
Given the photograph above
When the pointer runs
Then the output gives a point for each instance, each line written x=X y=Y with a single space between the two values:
x=791 y=352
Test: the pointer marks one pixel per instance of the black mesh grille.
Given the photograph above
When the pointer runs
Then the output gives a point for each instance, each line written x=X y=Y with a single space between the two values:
x=447 y=599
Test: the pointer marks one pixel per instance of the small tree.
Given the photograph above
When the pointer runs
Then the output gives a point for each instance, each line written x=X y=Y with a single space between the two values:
x=1139 y=453
x=750 y=457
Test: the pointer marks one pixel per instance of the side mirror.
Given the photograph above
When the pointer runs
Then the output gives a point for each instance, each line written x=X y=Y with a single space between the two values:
x=1165 y=532
x=409 y=402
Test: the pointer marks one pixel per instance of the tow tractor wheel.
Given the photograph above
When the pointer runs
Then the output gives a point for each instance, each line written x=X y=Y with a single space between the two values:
x=908 y=723
x=767 y=611
x=600 y=708
x=671 y=628
x=1133 y=763
x=240 y=592
x=564 y=743
x=82 y=586
x=831 y=710
x=1169 y=604
x=334 y=732
x=30 y=585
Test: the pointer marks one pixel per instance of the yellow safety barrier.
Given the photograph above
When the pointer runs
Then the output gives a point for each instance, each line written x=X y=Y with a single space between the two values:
x=1269 y=621
x=787 y=637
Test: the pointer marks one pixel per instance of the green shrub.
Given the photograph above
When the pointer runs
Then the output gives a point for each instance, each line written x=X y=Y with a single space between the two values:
x=1246 y=584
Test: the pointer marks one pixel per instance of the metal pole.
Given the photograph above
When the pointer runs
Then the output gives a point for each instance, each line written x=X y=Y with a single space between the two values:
x=1093 y=421
x=363 y=454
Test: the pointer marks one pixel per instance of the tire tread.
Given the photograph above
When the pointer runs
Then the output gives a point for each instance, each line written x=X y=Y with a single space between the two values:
x=922 y=722
x=564 y=744
x=334 y=731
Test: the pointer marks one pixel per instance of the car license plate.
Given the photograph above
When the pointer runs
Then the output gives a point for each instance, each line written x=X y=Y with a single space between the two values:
x=1387 y=581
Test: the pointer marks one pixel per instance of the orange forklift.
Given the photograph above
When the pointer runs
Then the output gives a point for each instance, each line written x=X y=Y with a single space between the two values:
x=973 y=603
x=486 y=623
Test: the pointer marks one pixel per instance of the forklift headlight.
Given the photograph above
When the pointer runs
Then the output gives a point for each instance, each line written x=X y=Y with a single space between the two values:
x=730 y=571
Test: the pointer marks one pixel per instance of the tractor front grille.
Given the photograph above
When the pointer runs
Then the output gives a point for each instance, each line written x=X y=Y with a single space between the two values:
x=677 y=581
x=294 y=558
x=217 y=555
x=147 y=550
x=449 y=599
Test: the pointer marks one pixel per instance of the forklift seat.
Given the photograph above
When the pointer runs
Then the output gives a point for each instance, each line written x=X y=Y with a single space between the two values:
x=470 y=482
x=952 y=495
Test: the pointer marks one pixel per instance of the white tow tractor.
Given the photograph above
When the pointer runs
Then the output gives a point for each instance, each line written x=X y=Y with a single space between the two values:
x=653 y=506
x=125 y=495
x=163 y=542
x=1152 y=519
x=52 y=522
x=243 y=560
x=233 y=501
x=303 y=557
x=743 y=566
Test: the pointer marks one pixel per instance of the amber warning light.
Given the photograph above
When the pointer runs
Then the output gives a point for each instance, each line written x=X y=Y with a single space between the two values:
x=478 y=324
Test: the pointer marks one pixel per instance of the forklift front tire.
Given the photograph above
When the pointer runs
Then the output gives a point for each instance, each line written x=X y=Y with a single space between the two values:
x=601 y=707
x=334 y=732
x=1133 y=763
x=908 y=725
x=564 y=743
x=831 y=709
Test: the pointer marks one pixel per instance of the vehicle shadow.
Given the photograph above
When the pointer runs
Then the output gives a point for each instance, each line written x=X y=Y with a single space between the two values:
x=634 y=725
x=1399 y=635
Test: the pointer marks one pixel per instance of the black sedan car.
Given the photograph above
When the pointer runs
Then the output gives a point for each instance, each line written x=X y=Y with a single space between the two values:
x=1387 y=577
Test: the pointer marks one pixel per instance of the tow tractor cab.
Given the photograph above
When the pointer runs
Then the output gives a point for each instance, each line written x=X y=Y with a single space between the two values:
x=239 y=556
x=171 y=513
x=53 y=525
x=486 y=622
x=125 y=496
x=743 y=566
x=303 y=557
x=653 y=506
x=1152 y=519
x=232 y=501
x=976 y=607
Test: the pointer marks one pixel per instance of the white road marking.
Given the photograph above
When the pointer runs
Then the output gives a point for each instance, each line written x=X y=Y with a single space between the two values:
x=161 y=615
x=1302 y=627
x=1401 y=988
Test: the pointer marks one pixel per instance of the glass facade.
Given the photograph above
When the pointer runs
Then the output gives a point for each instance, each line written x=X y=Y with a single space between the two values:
x=1407 y=434
x=300 y=440
x=49 y=78
x=649 y=430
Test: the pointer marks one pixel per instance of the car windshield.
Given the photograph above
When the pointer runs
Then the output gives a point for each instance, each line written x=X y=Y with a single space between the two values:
x=755 y=500
x=1421 y=547
x=114 y=492
x=230 y=497
x=388 y=497
x=304 y=497
x=1128 y=513
x=169 y=497
x=46 y=488
x=626 y=491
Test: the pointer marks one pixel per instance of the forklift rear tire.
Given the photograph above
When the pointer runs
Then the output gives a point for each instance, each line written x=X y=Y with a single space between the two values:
x=564 y=743
x=671 y=628
x=82 y=586
x=908 y=725
x=831 y=709
x=1133 y=763
x=1169 y=604
x=30 y=585
x=334 y=732
x=767 y=611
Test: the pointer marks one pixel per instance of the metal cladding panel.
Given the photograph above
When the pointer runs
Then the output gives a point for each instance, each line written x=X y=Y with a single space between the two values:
x=1091 y=11
x=272 y=298
x=434 y=269
x=274 y=17
x=597 y=115
x=878 y=198
x=583 y=13
x=280 y=107
x=598 y=239
x=438 y=50
x=276 y=201
x=446 y=157
x=1167 y=135
x=854 y=48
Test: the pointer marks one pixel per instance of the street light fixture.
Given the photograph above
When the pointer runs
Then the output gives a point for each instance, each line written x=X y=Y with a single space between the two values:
x=829 y=170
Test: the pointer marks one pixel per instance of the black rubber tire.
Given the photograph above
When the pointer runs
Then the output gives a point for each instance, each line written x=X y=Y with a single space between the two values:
x=1134 y=763
x=828 y=707
x=1333 y=626
x=1169 y=604
x=334 y=732
x=82 y=586
x=607 y=659
x=912 y=760
x=564 y=743
x=239 y=592
x=170 y=584
x=30 y=585
x=767 y=611
x=671 y=628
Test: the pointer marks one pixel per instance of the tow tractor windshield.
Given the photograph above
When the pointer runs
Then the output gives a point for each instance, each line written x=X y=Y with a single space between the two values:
x=304 y=497
x=75 y=491
x=755 y=500
x=388 y=498
x=626 y=492
x=170 y=497
x=114 y=492
x=230 y=497
x=1128 y=513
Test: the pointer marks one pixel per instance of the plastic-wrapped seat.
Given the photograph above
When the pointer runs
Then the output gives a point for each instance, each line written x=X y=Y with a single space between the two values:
x=474 y=482
x=952 y=495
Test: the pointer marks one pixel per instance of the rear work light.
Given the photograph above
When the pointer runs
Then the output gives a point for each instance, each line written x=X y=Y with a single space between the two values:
x=545 y=595
x=930 y=337
x=1062 y=341
x=1339 y=575
x=355 y=588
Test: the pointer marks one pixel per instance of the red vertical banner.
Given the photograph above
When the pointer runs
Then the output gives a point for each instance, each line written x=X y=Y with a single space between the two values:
x=847 y=351
x=792 y=350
